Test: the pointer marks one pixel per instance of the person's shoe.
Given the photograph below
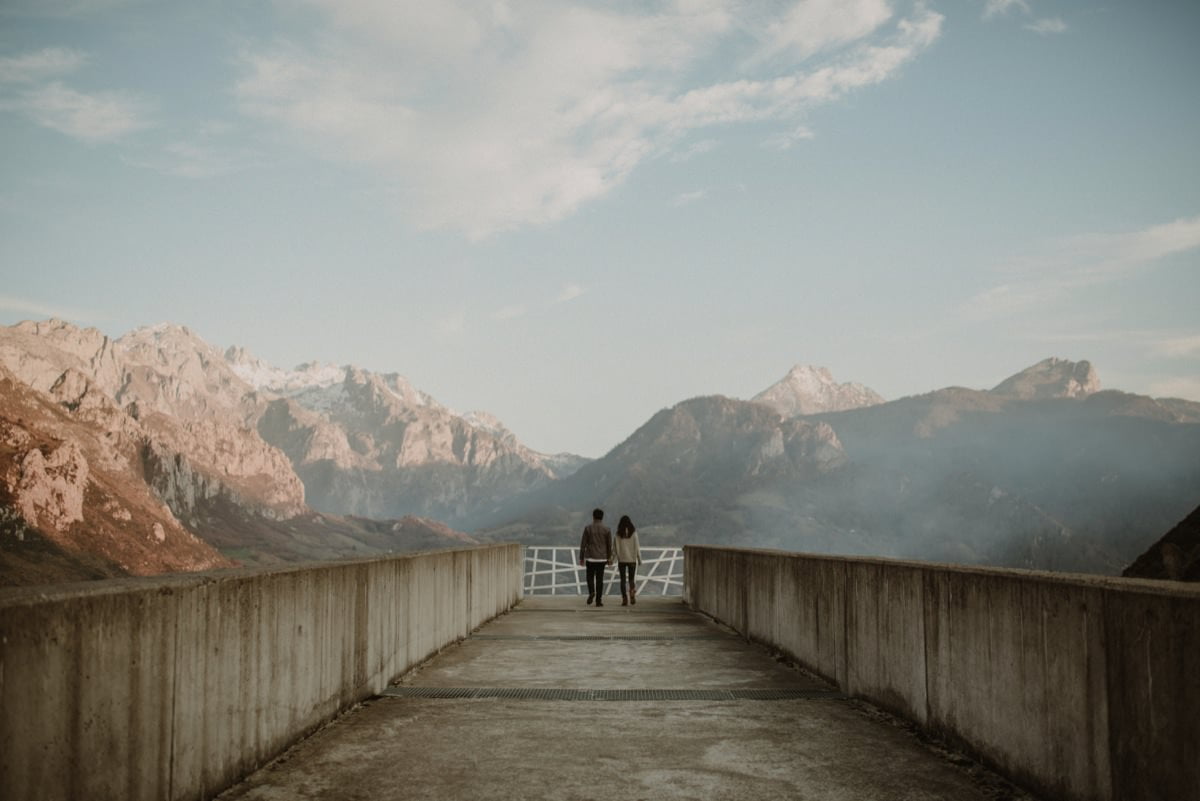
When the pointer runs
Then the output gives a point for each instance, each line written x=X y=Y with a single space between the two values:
x=590 y=597
x=632 y=596
x=599 y=602
x=624 y=600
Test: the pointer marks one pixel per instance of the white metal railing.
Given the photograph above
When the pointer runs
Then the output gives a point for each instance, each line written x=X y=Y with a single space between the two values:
x=555 y=570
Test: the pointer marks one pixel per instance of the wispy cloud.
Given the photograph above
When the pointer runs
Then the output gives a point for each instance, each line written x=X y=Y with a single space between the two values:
x=62 y=9
x=494 y=117
x=1079 y=262
x=693 y=150
x=1154 y=343
x=95 y=116
x=39 y=310
x=517 y=310
x=186 y=159
x=789 y=139
x=569 y=292
x=90 y=116
x=813 y=26
x=1186 y=387
x=1179 y=347
x=40 y=65
x=508 y=313
x=999 y=8
x=1043 y=26
x=207 y=154
x=452 y=324
x=1047 y=26
x=687 y=198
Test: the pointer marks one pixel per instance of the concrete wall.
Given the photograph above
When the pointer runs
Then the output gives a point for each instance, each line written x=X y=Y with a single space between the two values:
x=176 y=687
x=1077 y=687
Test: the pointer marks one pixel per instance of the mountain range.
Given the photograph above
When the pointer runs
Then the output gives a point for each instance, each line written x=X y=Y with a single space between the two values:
x=373 y=445
x=144 y=454
x=156 y=452
x=1043 y=471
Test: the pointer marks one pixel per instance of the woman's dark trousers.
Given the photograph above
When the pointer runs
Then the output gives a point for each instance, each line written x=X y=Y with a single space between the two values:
x=624 y=568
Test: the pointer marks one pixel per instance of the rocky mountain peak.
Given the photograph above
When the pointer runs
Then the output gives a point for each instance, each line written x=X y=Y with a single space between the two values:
x=247 y=366
x=165 y=343
x=808 y=389
x=266 y=377
x=1051 y=378
x=39 y=352
x=741 y=437
x=82 y=342
x=486 y=422
x=403 y=389
x=169 y=369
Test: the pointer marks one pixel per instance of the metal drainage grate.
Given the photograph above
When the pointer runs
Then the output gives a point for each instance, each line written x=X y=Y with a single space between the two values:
x=527 y=693
x=663 y=695
x=786 y=694
x=531 y=609
x=431 y=692
x=573 y=637
x=681 y=611
x=562 y=694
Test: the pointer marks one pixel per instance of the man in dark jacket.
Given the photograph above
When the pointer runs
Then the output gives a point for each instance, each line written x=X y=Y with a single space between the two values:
x=596 y=551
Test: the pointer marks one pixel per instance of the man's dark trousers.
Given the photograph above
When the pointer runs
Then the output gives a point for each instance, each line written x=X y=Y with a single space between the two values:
x=595 y=579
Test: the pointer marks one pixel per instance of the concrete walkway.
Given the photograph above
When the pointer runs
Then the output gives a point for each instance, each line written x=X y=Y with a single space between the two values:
x=558 y=700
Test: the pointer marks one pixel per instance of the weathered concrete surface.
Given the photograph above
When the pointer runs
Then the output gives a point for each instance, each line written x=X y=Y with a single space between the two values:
x=175 y=687
x=1079 y=686
x=499 y=749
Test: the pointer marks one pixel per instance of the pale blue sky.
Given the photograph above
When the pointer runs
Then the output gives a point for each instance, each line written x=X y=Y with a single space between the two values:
x=574 y=214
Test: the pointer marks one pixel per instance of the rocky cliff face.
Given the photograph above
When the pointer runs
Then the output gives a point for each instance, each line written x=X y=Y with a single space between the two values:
x=373 y=445
x=170 y=370
x=165 y=386
x=38 y=353
x=1051 y=378
x=811 y=390
x=48 y=488
x=200 y=416
x=71 y=490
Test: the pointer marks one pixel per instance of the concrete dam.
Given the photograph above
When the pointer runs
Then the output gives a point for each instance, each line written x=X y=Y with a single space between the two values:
x=435 y=675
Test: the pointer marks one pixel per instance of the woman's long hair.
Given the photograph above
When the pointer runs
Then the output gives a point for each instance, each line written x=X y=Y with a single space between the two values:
x=625 y=527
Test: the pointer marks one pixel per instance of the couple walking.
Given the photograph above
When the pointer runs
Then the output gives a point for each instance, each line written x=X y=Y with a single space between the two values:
x=597 y=549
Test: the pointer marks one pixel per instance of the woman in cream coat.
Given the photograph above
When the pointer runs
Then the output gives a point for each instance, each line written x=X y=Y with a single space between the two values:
x=629 y=556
